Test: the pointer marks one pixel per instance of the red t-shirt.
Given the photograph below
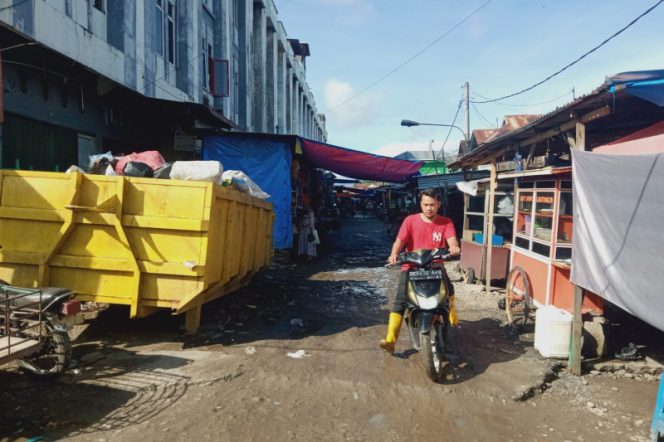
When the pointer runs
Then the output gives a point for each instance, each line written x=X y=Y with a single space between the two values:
x=418 y=234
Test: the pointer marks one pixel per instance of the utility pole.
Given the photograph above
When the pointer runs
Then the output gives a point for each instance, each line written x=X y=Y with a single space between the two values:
x=466 y=97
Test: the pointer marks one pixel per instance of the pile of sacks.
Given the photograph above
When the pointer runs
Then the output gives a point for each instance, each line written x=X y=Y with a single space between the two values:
x=150 y=164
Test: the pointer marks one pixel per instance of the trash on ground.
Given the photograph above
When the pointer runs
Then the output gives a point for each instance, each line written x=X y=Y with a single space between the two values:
x=629 y=353
x=298 y=354
x=250 y=350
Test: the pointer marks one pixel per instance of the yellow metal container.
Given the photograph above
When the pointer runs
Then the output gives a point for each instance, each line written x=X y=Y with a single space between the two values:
x=142 y=242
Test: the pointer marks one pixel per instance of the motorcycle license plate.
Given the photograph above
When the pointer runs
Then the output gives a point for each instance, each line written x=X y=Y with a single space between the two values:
x=421 y=274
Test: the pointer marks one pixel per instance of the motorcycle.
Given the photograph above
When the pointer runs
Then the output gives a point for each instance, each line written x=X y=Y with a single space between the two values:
x=428 y=307
x=34 y=328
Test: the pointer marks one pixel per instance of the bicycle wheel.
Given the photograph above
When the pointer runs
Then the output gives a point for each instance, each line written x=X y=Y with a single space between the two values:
x=518 y=297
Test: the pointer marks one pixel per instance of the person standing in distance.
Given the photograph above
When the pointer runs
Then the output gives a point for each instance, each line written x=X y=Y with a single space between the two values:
x=425 y=230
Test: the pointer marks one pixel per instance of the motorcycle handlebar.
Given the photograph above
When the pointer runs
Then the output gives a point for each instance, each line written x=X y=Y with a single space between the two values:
x=440 y=253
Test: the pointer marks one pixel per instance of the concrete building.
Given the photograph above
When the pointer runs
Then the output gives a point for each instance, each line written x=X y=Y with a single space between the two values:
x=85 y=76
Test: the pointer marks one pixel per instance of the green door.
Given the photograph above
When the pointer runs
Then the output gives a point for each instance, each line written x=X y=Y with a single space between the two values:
x=31 y=145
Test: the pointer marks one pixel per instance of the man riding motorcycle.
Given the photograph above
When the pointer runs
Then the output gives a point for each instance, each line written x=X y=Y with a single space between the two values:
x=425 y=230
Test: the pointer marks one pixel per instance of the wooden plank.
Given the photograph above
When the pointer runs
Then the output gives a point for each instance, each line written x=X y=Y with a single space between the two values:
x=574 y=363
x=13 y=348
x=488 y=238
x=192 y=320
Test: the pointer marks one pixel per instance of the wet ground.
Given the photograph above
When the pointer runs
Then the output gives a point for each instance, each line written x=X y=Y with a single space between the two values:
x=294 y=356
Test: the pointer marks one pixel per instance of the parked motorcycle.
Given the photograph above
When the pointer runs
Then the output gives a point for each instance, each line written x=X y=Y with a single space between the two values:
x=34 y=328
x=428 y=307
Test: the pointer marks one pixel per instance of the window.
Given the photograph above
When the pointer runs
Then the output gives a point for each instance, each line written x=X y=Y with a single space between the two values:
x=159 y=28
x=565 y=218
x=543 y=216
x=170 y=31
x=236 y=88
x=99 y=4
x=476 y=203
x=503 y=213
x=536 y=222
x=236 y=20
x=165 y=29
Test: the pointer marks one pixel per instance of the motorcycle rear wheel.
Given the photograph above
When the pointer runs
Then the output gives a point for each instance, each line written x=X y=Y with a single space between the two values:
x=433 y=358
x=53 y=358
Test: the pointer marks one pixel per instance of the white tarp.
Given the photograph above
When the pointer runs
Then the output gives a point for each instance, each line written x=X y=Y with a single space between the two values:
x=618 y=242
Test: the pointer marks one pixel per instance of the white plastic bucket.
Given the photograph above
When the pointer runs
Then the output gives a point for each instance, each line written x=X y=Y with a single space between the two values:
x=553 y=331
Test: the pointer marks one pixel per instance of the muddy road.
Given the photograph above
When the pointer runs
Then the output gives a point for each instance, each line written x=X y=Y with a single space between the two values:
x=295 y=356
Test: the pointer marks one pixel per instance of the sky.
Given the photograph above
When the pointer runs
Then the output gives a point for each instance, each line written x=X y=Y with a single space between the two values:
x=506 y=46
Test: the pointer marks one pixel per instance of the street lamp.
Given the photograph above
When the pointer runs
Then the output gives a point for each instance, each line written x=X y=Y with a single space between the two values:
x=411 y=123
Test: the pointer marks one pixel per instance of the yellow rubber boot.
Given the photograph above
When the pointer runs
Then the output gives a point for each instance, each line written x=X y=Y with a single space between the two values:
x=454 y=318
x=393 y=329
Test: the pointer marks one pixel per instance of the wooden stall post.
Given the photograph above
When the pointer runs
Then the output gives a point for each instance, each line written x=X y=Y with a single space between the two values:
x=574 y=363
x=488 y=240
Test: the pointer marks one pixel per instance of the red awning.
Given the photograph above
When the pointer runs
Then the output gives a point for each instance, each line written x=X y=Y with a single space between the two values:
x=356 y=164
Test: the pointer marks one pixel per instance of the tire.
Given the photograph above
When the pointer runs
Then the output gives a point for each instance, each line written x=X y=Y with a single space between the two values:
x=518 y=298
x=469 y=276
x=433 y=358
x=53 y=358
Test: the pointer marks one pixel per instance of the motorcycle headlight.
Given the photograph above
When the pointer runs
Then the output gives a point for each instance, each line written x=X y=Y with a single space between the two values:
x=427 y=303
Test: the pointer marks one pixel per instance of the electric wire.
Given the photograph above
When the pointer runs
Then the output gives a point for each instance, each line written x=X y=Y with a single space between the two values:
x=569 y=65
x=571 y=91
x=482 y=117
x=449 y=132
x=413 y=57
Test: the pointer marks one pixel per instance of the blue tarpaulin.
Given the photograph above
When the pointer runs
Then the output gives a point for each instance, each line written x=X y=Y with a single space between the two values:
x=648 y=85
x=268 y=163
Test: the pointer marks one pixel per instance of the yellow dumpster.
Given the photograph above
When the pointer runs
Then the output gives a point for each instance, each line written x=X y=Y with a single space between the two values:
x=141 y=242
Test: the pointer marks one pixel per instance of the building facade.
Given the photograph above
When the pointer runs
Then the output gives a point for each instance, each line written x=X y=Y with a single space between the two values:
x=84 y=76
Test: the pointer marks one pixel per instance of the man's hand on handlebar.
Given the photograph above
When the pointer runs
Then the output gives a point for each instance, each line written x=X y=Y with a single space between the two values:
x=455 y=251
x=393 y=259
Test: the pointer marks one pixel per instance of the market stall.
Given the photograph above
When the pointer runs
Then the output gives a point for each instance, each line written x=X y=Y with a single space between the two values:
x=542 y=240
x=473 y=244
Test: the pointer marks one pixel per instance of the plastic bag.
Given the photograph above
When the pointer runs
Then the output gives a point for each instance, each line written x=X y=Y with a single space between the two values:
x=110 y=171
x=74 y=169
x=197 y=171
x=99 y=162
x=134 y=168
x=150 y=157
x=238 y=180
x=164 y=172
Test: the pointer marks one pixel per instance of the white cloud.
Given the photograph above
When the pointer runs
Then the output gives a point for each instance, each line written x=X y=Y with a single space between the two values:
x=357 y=112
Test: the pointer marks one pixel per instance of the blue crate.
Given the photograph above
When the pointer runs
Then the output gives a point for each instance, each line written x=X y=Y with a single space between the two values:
x=498 y=240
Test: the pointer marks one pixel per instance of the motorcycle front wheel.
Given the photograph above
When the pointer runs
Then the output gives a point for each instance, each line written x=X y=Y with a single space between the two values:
x=52 y=359
x=431 y=350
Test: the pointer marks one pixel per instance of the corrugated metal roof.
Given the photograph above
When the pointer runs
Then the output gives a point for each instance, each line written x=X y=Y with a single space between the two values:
x=482 y=135
x=449 y=180
x=418 y=155
x=505 y=135
x=514 y=122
